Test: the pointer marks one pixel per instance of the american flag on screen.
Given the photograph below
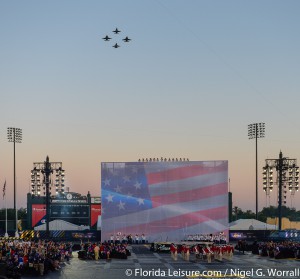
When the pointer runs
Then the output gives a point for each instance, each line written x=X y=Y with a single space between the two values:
x=164 y=200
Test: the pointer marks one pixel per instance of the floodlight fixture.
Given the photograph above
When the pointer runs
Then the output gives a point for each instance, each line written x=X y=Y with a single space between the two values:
x=287 y=177
x=255 y=131
x=15 y=135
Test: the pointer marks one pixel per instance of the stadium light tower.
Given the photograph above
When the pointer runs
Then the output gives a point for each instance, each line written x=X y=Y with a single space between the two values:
x=15 y=135
x=47 y=168
x=255 y=131
x=287 y=175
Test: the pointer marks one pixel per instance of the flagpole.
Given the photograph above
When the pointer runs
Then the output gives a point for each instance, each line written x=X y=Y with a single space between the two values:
x=6 y=234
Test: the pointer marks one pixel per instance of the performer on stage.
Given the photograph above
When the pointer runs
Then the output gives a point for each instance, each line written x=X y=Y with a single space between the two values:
x=196 y=252
x=186 y=252
x=173 y=249
x=208 y=253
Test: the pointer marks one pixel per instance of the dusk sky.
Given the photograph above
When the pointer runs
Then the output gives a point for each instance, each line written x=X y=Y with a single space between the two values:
x=195 y=74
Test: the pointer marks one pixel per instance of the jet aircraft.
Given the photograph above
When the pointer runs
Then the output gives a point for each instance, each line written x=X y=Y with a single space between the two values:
x=106 y=38
x=116 y=45
x=116 y=31
x=126 y=40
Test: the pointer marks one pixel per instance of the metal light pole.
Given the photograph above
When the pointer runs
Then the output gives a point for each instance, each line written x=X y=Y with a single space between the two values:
x=15 y=135
x=47 y=168
x=256 y=130
x=287 y=174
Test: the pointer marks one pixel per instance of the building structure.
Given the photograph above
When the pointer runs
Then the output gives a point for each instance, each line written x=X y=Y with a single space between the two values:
x=71 y=207
x=286 y=223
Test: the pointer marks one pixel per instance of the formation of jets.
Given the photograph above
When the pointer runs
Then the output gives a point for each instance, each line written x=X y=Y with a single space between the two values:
x=116 y=31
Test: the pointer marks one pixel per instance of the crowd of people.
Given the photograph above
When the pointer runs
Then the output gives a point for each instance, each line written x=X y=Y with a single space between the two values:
x=277 y=250
x=103 y=250
x=128 y=239
x=18 y=257
x=219 y=238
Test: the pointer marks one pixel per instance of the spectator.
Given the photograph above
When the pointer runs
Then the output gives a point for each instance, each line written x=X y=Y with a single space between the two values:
x=96 y=252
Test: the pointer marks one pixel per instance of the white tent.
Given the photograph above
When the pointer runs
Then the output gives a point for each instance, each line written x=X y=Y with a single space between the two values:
x=61 y=225
x=250 y=224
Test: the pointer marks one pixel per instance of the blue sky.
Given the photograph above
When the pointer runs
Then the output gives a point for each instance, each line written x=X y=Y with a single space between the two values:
x=195 y=74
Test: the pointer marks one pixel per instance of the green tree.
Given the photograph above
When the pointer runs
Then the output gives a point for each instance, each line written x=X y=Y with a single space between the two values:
x=22 y=213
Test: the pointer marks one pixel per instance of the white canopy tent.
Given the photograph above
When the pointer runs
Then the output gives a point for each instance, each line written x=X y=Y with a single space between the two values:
x=61 y=225
x=250 y=224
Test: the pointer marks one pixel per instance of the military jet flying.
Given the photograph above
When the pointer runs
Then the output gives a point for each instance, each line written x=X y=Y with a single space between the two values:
x=116 y=45
x=126 y=40
x=116 y=31
x=106 y=38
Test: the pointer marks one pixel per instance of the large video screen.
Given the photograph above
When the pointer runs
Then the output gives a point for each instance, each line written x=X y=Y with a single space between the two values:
x=78 y=214
x=165 y=201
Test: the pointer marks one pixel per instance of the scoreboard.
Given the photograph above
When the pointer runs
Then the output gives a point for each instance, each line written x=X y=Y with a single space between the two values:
x=70 y=207
x=73 y=213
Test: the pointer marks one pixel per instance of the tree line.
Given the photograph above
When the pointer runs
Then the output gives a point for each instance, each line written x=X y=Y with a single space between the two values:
x=271 y=211
x=22 y=214
x=10 y=225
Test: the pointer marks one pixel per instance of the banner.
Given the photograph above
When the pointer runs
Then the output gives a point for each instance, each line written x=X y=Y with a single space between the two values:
x=95 y=212
x=38 y=214
x=4 y=189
